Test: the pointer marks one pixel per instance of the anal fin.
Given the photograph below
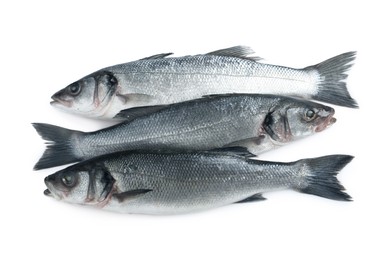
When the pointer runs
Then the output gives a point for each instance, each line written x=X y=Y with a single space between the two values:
x=253 y=198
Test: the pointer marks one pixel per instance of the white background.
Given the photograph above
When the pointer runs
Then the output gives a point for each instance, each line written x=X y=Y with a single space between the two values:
x=46 y=45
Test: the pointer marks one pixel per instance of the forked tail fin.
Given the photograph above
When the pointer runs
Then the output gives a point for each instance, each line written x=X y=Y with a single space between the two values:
x=59 y=150
x=331 y=85
x=319 y=176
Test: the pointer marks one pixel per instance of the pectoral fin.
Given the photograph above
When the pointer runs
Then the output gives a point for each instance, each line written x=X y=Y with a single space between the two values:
x=134 y=98
x=236 y=150
x=253 y=198
x=132 y=113
x=129 y=195
x=248 y=142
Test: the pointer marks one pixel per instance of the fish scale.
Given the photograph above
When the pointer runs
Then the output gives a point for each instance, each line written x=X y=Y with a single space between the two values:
x=206 y=74
x=148 y=182
x=159 y=80
x=258 y=122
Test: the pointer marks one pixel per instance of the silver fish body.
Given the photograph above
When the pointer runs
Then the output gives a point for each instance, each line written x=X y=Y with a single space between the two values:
x=173 y=183
x=161 y=80
x=259 y=122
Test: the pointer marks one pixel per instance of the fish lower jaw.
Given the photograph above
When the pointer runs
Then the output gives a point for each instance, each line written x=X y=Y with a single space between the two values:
x=325 y=125
x=48 y=193
x=60 y=104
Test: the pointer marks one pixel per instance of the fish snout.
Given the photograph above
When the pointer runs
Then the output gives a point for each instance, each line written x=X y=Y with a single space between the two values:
x=61 y=99
x=49 y=179
x=47 y=192
x=50 y=184
x=326 y=112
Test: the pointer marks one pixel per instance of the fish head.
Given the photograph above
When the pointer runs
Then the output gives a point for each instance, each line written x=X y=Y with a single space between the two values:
x=90 y=96
x=80 y=184
x=297 y=120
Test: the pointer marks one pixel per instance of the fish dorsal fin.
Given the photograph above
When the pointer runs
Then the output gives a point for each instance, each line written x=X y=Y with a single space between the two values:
x=157 y=56
x=135 y=112
x=223 y=95
x=129 y=195
x=242 y=52
x=235 y=150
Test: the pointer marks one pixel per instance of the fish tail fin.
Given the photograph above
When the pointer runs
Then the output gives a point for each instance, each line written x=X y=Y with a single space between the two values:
x=319 y=177
x=331 y=85
x=59 y=150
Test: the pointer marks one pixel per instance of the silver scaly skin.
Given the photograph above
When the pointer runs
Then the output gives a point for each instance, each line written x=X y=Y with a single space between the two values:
x=258 y=122
x=159 y=80
x=174 y=183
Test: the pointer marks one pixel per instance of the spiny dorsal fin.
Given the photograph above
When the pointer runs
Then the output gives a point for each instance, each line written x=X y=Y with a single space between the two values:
x=236 y=150
x=242 y=52
x=157 y=56
x=135 y=112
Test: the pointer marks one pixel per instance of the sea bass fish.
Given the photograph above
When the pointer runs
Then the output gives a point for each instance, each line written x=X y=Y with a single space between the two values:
x=259 y=122
x=159 y=80
x=174 y=183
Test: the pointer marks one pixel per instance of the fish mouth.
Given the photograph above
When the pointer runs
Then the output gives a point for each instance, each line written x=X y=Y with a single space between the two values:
x=50 y=186
x=59 y=102
x=48 y=193
x=327 y=123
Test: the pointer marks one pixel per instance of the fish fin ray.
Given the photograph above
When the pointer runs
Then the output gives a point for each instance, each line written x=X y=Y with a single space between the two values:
x=223 y=95
x=135 y=112
x=129 y=195
x=134 y=98
x=242 y=52
x=331 y=85
x=247 y=143
x=59 y=150
x=320 y=177
x=235 y=150
x=253 y=198
x=157 y=56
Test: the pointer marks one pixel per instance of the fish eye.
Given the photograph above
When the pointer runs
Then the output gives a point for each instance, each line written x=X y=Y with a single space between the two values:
x=310 y=115
x=74 y=89
x=68 y=180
